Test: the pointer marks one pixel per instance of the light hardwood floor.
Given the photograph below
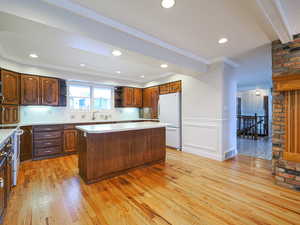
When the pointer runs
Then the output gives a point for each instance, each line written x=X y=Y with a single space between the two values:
x=185 y=190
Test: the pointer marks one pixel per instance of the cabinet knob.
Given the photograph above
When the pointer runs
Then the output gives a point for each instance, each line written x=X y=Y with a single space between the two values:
x=1 y=182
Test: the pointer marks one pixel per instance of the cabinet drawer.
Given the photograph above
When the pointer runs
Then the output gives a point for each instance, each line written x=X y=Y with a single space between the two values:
x=47 y=135
x=47 y=143
x=47 y=128
x=47 y=151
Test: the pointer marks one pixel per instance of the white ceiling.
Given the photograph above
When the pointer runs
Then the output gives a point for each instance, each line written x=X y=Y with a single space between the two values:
x=292 y=10
x=59 y=49
x=193 y=25
x=67 y=33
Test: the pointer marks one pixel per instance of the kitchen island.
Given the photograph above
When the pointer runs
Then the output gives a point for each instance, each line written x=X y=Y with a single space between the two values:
x=108 y=150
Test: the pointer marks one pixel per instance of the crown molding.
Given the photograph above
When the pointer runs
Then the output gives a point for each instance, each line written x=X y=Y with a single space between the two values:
x=225 y=60
x=275 y=15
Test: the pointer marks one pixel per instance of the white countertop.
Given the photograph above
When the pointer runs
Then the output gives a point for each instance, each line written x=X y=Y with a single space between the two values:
x=77 y=121
x=71 y=122
x=5 y=134
x=116 y=127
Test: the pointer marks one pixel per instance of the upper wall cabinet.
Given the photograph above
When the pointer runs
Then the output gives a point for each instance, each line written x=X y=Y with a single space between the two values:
x=128 y=97
x=49 y=89
x=9 y=114
x=30 y=90
x=10 y=87
x=150 y=100
x=168 y=88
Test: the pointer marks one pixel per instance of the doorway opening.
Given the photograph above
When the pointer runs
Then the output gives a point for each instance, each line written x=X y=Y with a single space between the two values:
x=254 y=125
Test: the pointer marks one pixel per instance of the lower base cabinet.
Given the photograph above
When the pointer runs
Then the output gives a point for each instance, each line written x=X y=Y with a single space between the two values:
x=5 y=178
x=48 y=141
x=26 y=143
x=70 y=140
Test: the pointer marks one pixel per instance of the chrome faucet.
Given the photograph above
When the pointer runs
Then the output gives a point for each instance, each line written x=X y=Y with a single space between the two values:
x=94 y=115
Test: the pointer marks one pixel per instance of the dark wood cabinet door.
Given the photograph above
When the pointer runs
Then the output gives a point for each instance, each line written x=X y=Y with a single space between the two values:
x=164 y=89
x=10 y=87
x=154 y=102
x=30 y=90
x=137 y=97
x=8 y=176
x=2 y=187
x=49 y=91
x=26 y=143
x=9 y=114
x=147 y=97
x=128 y=97
x=70 y=140
x=175 y=87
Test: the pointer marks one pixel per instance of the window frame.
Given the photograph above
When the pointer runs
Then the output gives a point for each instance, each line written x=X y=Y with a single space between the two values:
x=91 y=87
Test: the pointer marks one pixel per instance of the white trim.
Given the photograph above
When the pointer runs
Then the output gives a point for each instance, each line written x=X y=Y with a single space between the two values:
x=273 y=11
x=189 y=149
x=225 y=60
x=199 y=125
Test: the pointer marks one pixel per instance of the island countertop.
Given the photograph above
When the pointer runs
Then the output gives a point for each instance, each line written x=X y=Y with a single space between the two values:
x=117 y=127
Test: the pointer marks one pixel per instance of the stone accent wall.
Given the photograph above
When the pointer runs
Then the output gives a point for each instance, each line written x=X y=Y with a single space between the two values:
x=286 y=61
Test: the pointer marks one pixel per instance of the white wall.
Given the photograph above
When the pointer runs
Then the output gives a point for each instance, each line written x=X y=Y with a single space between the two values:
x=208 y=111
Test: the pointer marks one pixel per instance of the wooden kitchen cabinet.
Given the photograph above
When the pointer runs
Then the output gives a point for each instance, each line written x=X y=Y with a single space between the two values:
x=30 y=90
x=164 y=89
x=70 y=140
x=9 y=114
x=26 y=143
x=150 y=100
x=49 y=89
x=175 y=87
x=128 y=97
x=138 y=97
x=2 y=187
x=147 y=97
x=168 y=88
x=10 y=87
x=154 y=101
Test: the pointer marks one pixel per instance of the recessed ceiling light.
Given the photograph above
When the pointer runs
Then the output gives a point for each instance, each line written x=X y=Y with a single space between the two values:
x=223 y=40
x=82 y=65
x=116 y=53
x=164 y=65
x=118 y=72
x=142 y=76
x=167 y=3
x=33 y=55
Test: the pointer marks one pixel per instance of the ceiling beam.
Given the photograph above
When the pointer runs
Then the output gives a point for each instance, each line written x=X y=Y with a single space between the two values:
x=273 y=11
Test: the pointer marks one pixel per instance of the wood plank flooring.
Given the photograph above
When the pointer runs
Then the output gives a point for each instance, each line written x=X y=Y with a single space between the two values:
x=185 y=190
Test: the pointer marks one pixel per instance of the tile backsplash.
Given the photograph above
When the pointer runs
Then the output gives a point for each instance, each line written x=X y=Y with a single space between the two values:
x=30 y=114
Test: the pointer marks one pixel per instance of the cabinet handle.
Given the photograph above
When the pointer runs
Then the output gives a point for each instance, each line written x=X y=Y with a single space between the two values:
x=1 y=182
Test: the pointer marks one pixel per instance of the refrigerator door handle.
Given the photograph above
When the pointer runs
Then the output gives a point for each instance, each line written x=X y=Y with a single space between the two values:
x=171 y=128
x=158 y=110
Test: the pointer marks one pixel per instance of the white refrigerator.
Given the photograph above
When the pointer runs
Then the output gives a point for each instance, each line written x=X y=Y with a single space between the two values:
x=170 y=112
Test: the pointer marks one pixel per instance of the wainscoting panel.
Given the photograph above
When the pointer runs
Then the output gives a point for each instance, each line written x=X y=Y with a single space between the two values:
x=201 y=136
